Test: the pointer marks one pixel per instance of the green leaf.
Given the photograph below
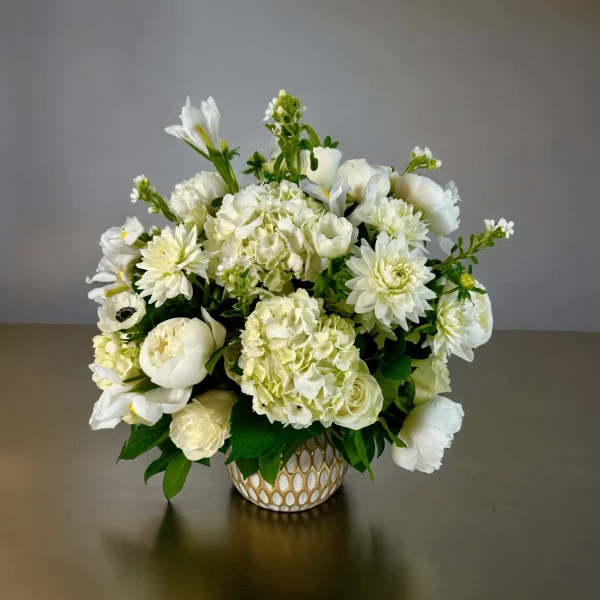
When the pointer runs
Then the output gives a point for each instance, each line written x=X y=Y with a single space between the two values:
x=247 y=466
x=312 y=134
x=203 y=461
x=392 y=435
x=379 y=440
x=211 y=363
x=395 y=348
x=361 y=448
x=298 y=438
x=157 y=466
x=176 y=474
x=395 y=368
x=269 y=466
x=143 y=438
x=367 y=346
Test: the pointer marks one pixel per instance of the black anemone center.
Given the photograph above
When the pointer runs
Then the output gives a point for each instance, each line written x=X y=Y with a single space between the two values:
x=124 y=313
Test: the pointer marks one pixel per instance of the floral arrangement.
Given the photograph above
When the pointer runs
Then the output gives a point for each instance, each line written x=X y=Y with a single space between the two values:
x=303 y=304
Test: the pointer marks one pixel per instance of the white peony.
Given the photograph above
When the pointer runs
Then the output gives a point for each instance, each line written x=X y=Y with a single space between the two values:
x=394 y=217
x=438 y=205
x=175 y=352
x=333 y=235
x=121 y=312
x=167 y=260
x=427 y=431
x=112 y=352
x=118 y=402
x=431 y=378
x=361 y=407
x=358 y=173
x=201 y=428
x=329 y=159
x=462 y=325
x=191 y=200
x=390 y=281
x=199 y=127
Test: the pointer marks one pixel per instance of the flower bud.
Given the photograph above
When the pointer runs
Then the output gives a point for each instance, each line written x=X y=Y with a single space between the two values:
x=467 y=281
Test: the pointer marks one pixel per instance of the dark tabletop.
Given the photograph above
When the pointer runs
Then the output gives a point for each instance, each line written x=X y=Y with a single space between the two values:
x=512 y=514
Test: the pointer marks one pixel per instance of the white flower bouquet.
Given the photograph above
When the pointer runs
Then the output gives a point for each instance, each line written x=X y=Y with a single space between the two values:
x=302 y=305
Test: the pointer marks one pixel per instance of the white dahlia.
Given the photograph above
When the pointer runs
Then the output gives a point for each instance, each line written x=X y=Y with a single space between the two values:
x=266 y=229
x=390 y=281
x=167 y=260
x=394 y=217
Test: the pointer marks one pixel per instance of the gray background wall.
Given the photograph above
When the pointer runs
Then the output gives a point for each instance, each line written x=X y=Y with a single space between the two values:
x=506 y=93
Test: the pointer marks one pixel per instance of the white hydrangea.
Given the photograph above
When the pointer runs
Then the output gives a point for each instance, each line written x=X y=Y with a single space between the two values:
x=301 y=365
x=167 y=260
x=264 y=231
x=111 y=351
x=394 y=217
x=390 y=281
x=191 y=200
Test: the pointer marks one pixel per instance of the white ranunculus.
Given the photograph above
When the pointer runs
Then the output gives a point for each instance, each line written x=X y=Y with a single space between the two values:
x=357 y=173
x=201 y=427
x=200 y=126
x=191 y=200
x=427 y=431
x=438 y=205
x=333 y=236
x=329 y=159
x=175 y=352
x=121 y=312
x=364 y=402
x=431 y=377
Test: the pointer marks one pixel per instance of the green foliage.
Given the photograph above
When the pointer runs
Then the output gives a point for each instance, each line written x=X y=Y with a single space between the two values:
x=268 y=465
x=331 y=284
x=211 y=363
x=160 y=464
x=144 y=437
x=176 y=473
x=157 y=204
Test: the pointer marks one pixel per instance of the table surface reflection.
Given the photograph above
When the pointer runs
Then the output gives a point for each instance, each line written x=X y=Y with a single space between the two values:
x=512 y=514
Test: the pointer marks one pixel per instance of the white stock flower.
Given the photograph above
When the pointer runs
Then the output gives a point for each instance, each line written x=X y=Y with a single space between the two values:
x=201 y=427
x=118 y=403
x=363 y=404
x=438 y=205
x=300 y=365
x=112 y=352
x=431 y=378
x=462 y=325
x=175 y=352
x=394 y=217
x=121 y=311
x=200 y=127
x=167 y=259
x=268 y=230
x=329 y=159
x=508 y=227
x=357 y=173
x=191 y=199
x=333 y=235
x=390 y=281
x=428 y=431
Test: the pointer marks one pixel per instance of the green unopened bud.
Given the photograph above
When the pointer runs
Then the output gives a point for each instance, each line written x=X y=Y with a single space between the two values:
x=467 y=281
x=224 y=146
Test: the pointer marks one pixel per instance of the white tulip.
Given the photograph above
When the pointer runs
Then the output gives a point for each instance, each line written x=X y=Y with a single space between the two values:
x=427 y=431
x=175 y=352
x=438 y=205
x=121 y=311
x=357 y=173
x=201 y=427
x=200 y=126
x=329 y=159
x=333 y=236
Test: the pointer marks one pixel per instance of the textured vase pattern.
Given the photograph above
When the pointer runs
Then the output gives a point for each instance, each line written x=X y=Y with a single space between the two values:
x=313 y=473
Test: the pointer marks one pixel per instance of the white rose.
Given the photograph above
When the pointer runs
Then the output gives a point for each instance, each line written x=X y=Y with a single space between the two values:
x=431 y=377
x=364 y=402
x=191 y=199
x=438 y=205
x=175 y=352
x=329 y=159
x=202 y=426
x=358 y=173
x=427 y=431
x=333 y=235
